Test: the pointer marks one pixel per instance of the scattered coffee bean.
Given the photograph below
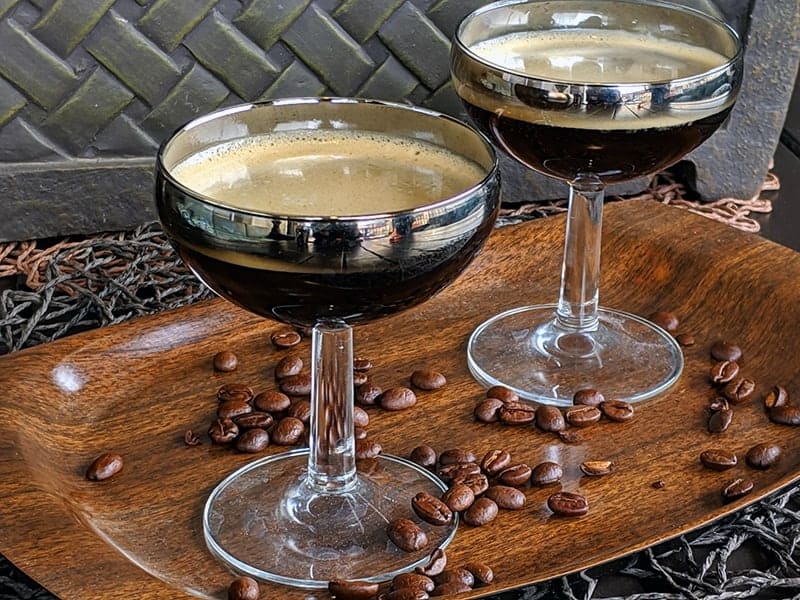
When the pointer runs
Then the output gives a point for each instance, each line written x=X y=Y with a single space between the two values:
x=190 y=438
x=549 y=418
x=516 y=413
x=617 y=410
x=505 y=496
x=718 y=459
x=569 y=437
x=352 y=590
x=367 y=394
x=787 y=414
x=583 y=416
x=455 y=471
x=720 y=420
x=495 y=461
x=568 y=504
x=481 y=573
x=287 y=431
x=367 y=448
x=739 y=390
x=515 y=475
x=428 y=379
x=502 y=393
x=737 y=488
x=486 y=411
x=288 y=366
x=235 y=391
x=477 y=482
x=437 y=562
x=361 y=364
x=398 y=398
x=244 y=588
x=685 y=339
x=723 y=372
x=296 y=385
x=252 y=441
x=271 y=402
x=597 y=468
x=360 y=417
x=225 y=361
x=252 y=420
x=431 y=509
x=658 y=484
x=424 y=456
x=459 y=497
x=481 y=512
x=407 y=535
x=405 y=594
x=763 y=456
x=718 y=403
x=359 y=433
x=415 y=581
x=223 y=431
x=104 y=466
x=456 y=575
x=546 y=473
x=722 y=350
x=777 y=396
x=359 y=378
x=666 y=320
x=300 y=409
x=456 y=456
x=233 y=408
x=588 y=397
x=285 y=338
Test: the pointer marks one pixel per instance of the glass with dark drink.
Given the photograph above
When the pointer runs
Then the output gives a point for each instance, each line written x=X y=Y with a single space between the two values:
x=325 y=213
x=591 y=92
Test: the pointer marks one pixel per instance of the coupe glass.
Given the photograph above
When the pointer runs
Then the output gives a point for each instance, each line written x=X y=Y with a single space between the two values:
x=591 y=92
x=307 y=516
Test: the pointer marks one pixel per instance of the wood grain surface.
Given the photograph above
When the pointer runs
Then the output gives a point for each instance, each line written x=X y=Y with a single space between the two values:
x=135 y=388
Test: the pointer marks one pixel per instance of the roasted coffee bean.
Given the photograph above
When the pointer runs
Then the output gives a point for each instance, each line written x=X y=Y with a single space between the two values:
x=405 y=594
x=617 y=410
x=505 y=496
x=285 y=338
x=424 y=456
x=300 y=409
x=777 y=396
x=296 y=385
x=398 y=398
x=739 y=390
x=104 y=466
x=449 y=588
x=487 y=410
x=223 y=431
x=588 y=397
x=481 y=512
x=437 y=562
x=788 y=414
x=244 y=588
x=583 y=416
x=516 y=413
x=459 y=497
x=428 y=379
x=288 y=366
x=361 y=364
x=718 y=459
x=235 y=391
x=252 y=441
x=481 y=572
x=568 y=504
x=723 y=372
x=685 y=339
x=359 y=378
x=666 y=320
x=407 y=535
x=763 y=456
x=502 y=393
x=495 y=461
x=546 y=472
x=597 y=468
x=367 y=448
x=225 y=361
x=368 y=394
x=722 y=350
x=431 y=509
x=190 y=438
x=458 y=575
x=287 y=431
x=718 y=403
x=271 y=402
x=456 y=456
x=458 y=470
x=477 y=482
x=359 y=433
x=233 y=408
x=720 y=420
x=569 y=437
x=360 y=417
x=515 y=475
x=549 y=418
x=737 y=488
x=352 y=590
x=252 y=420
x=415 y=581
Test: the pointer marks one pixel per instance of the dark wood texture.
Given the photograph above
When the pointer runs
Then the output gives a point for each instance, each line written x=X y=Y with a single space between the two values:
x=135 y=388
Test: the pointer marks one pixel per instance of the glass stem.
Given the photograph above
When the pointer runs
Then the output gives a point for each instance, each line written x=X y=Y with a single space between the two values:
x=332 y=453
x=580 y=271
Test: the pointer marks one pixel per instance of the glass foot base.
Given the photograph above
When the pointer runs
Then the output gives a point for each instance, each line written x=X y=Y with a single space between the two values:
x=265 y=521
x=625 y=358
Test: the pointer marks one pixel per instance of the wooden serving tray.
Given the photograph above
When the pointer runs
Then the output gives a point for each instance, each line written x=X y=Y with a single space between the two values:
x=135 y=388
